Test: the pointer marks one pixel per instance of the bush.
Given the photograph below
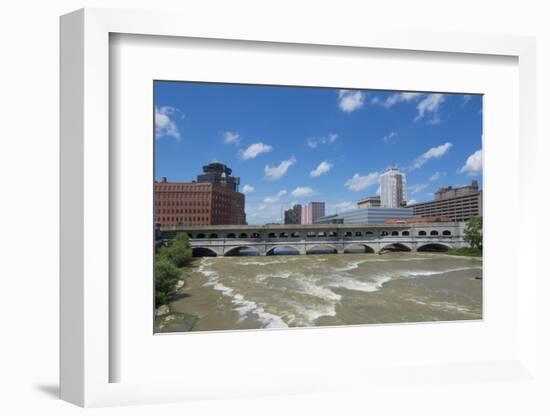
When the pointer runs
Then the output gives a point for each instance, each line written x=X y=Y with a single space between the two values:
x=180 y=251
x=168 y=263
x=473 y=233
x=166 y=276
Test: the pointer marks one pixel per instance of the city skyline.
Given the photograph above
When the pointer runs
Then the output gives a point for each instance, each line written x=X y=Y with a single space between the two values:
x=295 y=145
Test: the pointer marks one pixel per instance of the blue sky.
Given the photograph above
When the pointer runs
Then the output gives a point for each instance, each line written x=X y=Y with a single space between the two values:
x=293 y=145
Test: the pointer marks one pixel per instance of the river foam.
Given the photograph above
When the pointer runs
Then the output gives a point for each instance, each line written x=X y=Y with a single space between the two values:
x=358 y=285
x=243 y=306
x=420 y=273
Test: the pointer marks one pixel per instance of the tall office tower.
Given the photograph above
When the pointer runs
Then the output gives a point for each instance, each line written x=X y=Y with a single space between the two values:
x=393 y=189
x=312 y=211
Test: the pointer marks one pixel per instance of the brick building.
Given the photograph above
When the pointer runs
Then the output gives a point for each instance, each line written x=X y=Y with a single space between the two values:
x=200 y=203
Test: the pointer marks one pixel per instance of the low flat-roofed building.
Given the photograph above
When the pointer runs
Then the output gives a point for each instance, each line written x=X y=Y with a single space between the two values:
x=458 y=204
x=366 y=216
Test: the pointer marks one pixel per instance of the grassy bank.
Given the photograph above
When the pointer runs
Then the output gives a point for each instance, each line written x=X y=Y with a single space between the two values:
x=465 y=251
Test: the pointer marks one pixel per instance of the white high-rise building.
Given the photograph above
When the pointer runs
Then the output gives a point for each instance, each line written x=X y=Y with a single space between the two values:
x=393 y=189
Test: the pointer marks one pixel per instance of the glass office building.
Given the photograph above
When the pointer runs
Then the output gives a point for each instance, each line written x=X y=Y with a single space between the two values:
x=366 y=216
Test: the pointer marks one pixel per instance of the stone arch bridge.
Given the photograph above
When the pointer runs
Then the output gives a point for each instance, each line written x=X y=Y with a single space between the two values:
x=227 y=240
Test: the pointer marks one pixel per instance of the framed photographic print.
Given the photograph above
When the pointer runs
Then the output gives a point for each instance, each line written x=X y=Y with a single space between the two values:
x=353 y=183
x=259 y=203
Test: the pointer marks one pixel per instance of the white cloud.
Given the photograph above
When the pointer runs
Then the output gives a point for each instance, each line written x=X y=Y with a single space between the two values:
x=466 y=99
x=430 y=104
x=277 y=172
x=350 y=100
x=323 y=167
x=390 y=136
x=313 y=142
x=302 y=191
x=247 y=189
x=230 y=137
x=396 y=98
x=378 y=190
x=433 y=153
x=474 y=163
x=165 y=124
x=254 y=150
x=358 y=182
x=412 y=201
x=417 y=188
x=435 y=176
x=275 y=198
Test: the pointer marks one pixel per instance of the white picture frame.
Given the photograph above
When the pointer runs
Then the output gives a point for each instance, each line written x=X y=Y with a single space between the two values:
x=86 y=353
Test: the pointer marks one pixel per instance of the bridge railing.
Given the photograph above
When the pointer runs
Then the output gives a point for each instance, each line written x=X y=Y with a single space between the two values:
x=339 y=239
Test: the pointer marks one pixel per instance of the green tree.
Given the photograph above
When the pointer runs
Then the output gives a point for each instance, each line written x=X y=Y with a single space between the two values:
x=166 y=276
x=180 y=251
x=473 y=233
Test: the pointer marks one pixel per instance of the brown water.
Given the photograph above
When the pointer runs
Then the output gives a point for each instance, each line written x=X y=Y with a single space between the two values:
x=228 y=293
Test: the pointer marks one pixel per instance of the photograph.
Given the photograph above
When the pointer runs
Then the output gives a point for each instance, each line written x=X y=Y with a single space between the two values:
x=282 y=206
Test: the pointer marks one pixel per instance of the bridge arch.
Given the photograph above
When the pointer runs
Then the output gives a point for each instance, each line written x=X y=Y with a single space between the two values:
x=405 y=233
x=434 y=247
x=242 y=251
x=321 y=249
x=396 y=247
x=422 y=232
x=283 y=250
x=201 y=235
x=231 y=235
x=243 y=235
x=203 y=252
x=446 y=232
x=434 y=232
x=213 y=235
x=350 y=248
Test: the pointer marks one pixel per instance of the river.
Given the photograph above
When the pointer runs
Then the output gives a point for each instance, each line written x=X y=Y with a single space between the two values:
x=229 y=293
